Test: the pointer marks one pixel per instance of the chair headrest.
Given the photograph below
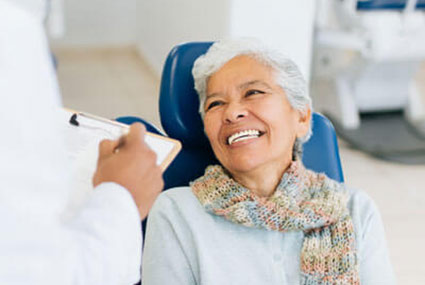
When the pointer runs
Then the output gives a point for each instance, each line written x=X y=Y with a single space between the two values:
x=178 y=101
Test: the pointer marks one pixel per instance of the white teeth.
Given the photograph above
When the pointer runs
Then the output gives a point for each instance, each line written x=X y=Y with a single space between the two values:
x=243 y=135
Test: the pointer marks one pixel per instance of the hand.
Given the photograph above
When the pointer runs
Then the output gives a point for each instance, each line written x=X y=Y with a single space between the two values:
x=132 y=164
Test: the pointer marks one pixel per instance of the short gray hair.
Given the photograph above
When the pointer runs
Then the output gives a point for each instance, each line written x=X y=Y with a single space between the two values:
x=288 y=76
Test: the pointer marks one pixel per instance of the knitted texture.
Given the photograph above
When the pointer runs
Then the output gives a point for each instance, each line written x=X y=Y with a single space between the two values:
x=303 y=201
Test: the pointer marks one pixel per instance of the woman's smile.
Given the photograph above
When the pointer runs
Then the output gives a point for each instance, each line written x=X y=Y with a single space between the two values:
x=243 y=135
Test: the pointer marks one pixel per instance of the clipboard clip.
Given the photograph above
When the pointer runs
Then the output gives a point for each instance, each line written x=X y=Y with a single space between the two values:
x=73 y=120
x=98 y=123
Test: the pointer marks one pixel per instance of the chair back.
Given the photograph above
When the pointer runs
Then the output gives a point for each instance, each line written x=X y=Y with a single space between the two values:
x=180 y=119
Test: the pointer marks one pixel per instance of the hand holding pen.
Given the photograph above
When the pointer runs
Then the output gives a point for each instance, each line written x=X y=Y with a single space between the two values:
x=130 y=163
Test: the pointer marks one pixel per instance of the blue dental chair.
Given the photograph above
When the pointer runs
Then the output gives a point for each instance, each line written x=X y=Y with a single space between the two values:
x=178 y=106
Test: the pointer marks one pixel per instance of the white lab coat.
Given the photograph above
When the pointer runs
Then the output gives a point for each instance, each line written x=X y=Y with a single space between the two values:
x=98 y=244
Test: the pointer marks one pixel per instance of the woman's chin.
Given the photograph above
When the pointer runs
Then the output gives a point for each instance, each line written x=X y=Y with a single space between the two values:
x=242 y=165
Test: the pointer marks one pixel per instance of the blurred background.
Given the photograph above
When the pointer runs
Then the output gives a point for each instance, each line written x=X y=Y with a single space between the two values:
x=364 y=61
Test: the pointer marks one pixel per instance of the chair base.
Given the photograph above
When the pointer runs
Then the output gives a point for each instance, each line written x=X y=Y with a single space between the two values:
x=387 y=136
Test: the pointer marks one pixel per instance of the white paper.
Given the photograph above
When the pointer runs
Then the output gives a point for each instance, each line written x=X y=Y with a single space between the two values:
x=93 y=131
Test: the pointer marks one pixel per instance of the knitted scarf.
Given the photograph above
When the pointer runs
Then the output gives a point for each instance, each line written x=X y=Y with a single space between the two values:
x=303 y=201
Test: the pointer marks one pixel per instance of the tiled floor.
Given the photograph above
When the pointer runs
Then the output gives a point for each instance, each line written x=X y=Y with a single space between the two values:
x=111 y=83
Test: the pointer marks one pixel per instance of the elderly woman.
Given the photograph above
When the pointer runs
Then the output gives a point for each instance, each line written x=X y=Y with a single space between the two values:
x=260 y=217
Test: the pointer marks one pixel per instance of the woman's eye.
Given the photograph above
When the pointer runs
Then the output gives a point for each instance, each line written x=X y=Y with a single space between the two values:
x=253 y=92
x=213 y=104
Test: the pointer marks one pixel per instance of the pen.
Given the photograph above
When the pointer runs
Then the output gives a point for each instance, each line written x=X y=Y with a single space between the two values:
x=121 y=143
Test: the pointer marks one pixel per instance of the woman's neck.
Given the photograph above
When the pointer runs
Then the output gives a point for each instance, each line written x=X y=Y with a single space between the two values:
x=264 y=180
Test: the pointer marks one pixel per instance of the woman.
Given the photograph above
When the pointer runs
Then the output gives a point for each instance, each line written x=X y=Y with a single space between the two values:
x=261 y=217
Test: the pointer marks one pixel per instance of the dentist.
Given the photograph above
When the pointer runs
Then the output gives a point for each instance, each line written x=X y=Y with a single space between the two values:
x=101 y=243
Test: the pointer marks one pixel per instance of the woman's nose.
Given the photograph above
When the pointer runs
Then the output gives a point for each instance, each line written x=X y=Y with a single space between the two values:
x=235 y=112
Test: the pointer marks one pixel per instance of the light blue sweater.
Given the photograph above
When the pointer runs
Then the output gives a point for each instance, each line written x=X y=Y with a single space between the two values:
x=186 y=245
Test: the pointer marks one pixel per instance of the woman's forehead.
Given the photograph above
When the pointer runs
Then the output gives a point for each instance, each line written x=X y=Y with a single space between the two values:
x=243 y=67
x=246 y=59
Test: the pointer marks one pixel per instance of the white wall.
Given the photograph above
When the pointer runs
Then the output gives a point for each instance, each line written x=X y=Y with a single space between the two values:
x=163 y=24
x=155 y=26
x=285 y=24
x=99 y=23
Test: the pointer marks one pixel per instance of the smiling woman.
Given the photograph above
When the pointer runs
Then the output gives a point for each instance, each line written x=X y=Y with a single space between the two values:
x=250 y=123
x=260 y=217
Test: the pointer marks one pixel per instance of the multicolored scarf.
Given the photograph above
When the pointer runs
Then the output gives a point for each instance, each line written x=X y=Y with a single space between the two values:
x=303 y=201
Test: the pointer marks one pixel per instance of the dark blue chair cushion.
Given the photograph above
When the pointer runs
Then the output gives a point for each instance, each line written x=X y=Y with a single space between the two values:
x=180 y=119
x=178 y=101
x=321 y=152
x=128 y=120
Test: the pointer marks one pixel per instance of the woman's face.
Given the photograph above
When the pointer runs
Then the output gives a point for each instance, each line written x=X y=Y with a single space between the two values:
x=248 y=119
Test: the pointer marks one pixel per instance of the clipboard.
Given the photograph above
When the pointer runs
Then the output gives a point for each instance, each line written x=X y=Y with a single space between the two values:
x=165 y=148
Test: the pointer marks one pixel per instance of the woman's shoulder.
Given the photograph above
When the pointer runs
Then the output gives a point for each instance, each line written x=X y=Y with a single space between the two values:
x=359 y=200
x=180 y=209
x=176 y=195
x=363 y=210
x=178 y=199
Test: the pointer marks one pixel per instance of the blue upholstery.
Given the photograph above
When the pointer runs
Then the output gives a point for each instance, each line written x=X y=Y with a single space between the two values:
x=180 y=119
x=128 y=120
x=178 y=100
x=387 y=4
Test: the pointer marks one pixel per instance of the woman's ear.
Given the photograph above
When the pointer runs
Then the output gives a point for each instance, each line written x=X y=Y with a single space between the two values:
x=304 y=121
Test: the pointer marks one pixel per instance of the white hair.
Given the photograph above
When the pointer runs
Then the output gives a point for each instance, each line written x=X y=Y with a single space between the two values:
x=287 y=74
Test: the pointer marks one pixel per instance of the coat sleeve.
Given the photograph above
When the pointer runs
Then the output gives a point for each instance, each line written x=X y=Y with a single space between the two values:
x=107 y=236
x=101 y=244
x=166 y=256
